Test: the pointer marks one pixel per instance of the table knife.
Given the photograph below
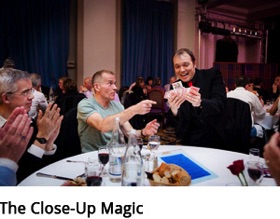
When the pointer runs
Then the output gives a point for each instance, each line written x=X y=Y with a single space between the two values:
x=53 y=176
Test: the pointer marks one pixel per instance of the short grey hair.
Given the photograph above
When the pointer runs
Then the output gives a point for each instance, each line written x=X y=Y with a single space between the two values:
x=9 y=78
x=36 y=79
x=98 y=75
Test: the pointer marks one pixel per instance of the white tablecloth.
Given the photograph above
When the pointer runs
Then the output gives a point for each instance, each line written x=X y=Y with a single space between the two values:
x=269 y=121
x=214 y=160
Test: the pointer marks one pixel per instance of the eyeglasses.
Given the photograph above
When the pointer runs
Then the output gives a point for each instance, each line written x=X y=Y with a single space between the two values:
x=25 y=93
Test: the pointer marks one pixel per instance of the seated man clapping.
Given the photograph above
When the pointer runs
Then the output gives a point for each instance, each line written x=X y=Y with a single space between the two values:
x=16 y=90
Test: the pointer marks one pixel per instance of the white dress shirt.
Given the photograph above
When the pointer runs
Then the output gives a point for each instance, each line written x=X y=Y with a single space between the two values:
x=257 y=110
x=38 y=102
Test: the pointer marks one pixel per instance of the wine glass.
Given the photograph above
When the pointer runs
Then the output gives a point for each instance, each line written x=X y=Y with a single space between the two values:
x=254 y=154
x=93 y=173
x=153 y=144
x=255 y=172
x=103 y=157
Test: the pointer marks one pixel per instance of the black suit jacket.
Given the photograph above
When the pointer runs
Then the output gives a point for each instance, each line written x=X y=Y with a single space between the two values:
x=204 y=126
x=29 y=163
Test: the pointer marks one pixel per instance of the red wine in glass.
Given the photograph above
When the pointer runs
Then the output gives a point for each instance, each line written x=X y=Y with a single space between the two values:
x=255 y=171
x=103 y=158
x=94 y=181
x=254 y=174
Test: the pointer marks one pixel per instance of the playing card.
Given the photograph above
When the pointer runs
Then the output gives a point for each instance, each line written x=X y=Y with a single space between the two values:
x=192 y=88
x=177 y=84
x=167 y=95
x=180 y=90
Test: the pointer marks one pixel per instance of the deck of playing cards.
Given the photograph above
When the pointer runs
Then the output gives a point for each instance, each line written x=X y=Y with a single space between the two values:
x=179 y=89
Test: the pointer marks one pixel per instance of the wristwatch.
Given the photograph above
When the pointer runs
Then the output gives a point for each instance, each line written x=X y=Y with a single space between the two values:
x=41 y=140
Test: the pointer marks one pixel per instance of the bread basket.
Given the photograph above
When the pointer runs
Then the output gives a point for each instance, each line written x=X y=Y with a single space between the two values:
x=176 y=175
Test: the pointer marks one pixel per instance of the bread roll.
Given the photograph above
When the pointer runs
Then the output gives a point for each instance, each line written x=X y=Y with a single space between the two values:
x=163 y=167
x=182 y=178
x=156 y=177
x=170 y=175
x=167 y=173
x=164 y=180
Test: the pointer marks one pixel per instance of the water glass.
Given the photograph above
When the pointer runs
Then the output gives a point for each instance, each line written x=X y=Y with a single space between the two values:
x=254 y=154
x=150 y=163
x=93 y=173
x=153 y=143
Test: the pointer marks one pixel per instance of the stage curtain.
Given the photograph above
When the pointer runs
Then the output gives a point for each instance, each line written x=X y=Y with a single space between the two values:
x=35 y=34
x=147 y=40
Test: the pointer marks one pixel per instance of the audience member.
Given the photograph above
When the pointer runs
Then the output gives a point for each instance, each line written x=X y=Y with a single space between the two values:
x=129 y=91
x=139 y=89
x=250 y=87
x=61 y=82
x=70 y=98
x=122 y=93
x=272 y=111
x=149 y=83
x=15 y=91
x=60 y=90
x=263 y=94
x=86 y=88
x=135 y=82
x=96 y=115
x=117 y=98
x=275 y=107
x=272 y=156
x=8 y=63
x=39 y=101
x=14 y=137
x=136 y=96
x=157 y=84
x=172 y=79
x=198 y=113
x=275 y=88
x=242 y=92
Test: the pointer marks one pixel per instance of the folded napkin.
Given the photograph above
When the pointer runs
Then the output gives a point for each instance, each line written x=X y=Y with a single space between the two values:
x=195 y=170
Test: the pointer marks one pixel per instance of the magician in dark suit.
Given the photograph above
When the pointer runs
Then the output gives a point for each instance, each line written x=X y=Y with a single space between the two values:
x=198 y=114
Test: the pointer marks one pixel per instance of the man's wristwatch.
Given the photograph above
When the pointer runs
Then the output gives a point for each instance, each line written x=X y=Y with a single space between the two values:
x=41 y=140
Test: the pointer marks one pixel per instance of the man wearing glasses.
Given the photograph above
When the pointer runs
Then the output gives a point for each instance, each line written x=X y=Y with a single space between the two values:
x=16 y=91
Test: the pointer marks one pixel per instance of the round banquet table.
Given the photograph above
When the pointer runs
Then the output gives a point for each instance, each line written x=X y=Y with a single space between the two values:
x=269 y=121
x=216 y=161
